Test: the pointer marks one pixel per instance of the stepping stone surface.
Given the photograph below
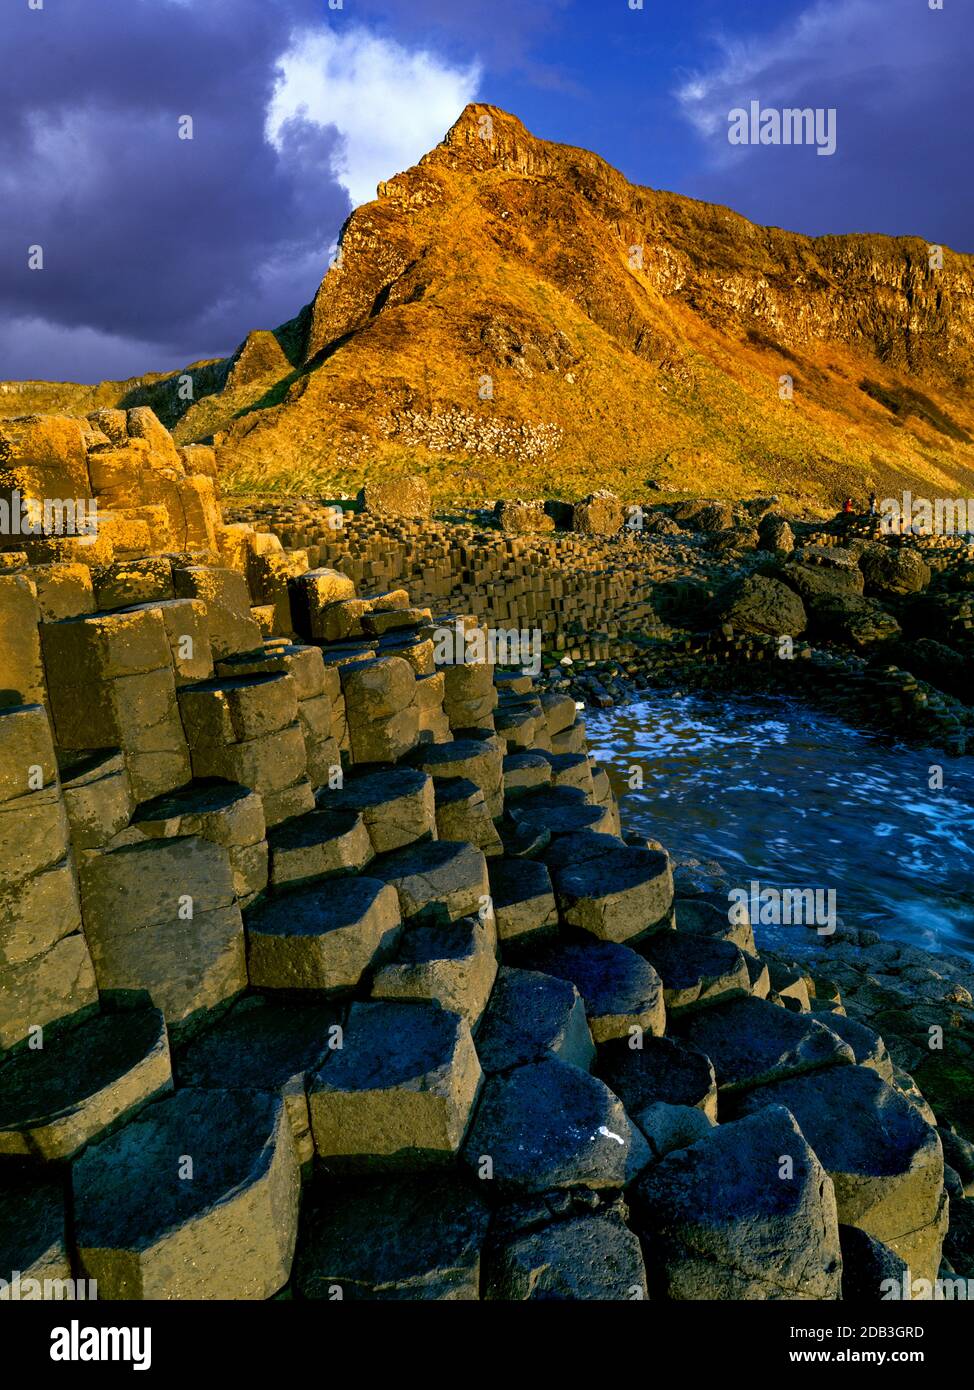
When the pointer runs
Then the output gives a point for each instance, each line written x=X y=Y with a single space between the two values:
x=886 y=1162
x=322 y=937
x=718 y=1220
x=619 y=988
x=453 y=963
x=399 y=1091
x=587 y=1257
x=397 y=806
x=696 y=970
x=144 y=1229
x=318 y=845
x=522 y=895
x=531 y=1016
x=752 y=1042
x=444 y=879
x=551 y=1125
x=88 y=1076
x=262 y=1045
x=619 y=894
x=394 y=1238
x=661 y=1070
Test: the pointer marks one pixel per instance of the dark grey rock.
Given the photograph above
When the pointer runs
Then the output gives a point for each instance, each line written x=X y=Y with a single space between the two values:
x=531 y=1016
x=394 y=1238
x=549 y=1125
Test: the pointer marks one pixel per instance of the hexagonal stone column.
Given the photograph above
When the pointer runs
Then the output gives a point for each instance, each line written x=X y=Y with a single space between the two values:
x=886 y=1162
x=90 y=1074
x=321 y=937
x=479 y=761
x=223 y=1175
x=658 y=1071
x=532 y=1016
x=551 y=1125
x=161 y=915
x=523 y=897
x=622 y=893
x=752 y=1042
x=399 y=1092
x=264 y=1045
x=392 y=1238
x=726 y=1218
x=584 y=1258
x=561 y=811
x=320 y=844
x=397 y=806
x=696 y=971
x=442 y=879
x=453 y=963
x=620 y=990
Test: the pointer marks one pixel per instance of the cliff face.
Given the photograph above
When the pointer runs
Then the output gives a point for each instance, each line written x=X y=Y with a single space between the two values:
x=512 y=315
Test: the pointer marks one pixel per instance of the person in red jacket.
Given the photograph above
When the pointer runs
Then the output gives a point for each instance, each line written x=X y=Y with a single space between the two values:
x=847 y=505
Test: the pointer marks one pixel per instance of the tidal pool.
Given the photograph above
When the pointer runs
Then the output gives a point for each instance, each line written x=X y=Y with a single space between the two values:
x=781 y=794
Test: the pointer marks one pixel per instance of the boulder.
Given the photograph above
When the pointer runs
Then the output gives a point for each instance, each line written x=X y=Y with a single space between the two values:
x=760 y=604
x=598 y=514
x=517 y=517
x=394 y=497
x=866 y=1266
x=890 y=572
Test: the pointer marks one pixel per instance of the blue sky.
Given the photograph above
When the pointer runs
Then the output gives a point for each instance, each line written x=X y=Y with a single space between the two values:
x=158 y=251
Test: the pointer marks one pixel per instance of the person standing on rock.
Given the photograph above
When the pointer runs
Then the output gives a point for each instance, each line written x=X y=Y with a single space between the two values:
x=847 y=506
x=872 y=504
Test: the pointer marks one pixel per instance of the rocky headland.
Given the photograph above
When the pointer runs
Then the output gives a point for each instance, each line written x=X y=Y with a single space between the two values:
x=328 y=966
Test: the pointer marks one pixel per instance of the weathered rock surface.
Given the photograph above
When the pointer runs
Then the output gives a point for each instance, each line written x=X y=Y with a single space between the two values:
x=550 y=1125
x=747 y=1212
x=195 y=1198
x=399 y=1238
x=399 y=1091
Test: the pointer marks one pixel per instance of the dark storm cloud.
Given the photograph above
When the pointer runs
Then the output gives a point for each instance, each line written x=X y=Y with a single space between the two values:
x=179 y=244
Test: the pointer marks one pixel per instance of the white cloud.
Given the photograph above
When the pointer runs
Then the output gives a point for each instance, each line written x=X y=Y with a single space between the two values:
x=390 y=104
